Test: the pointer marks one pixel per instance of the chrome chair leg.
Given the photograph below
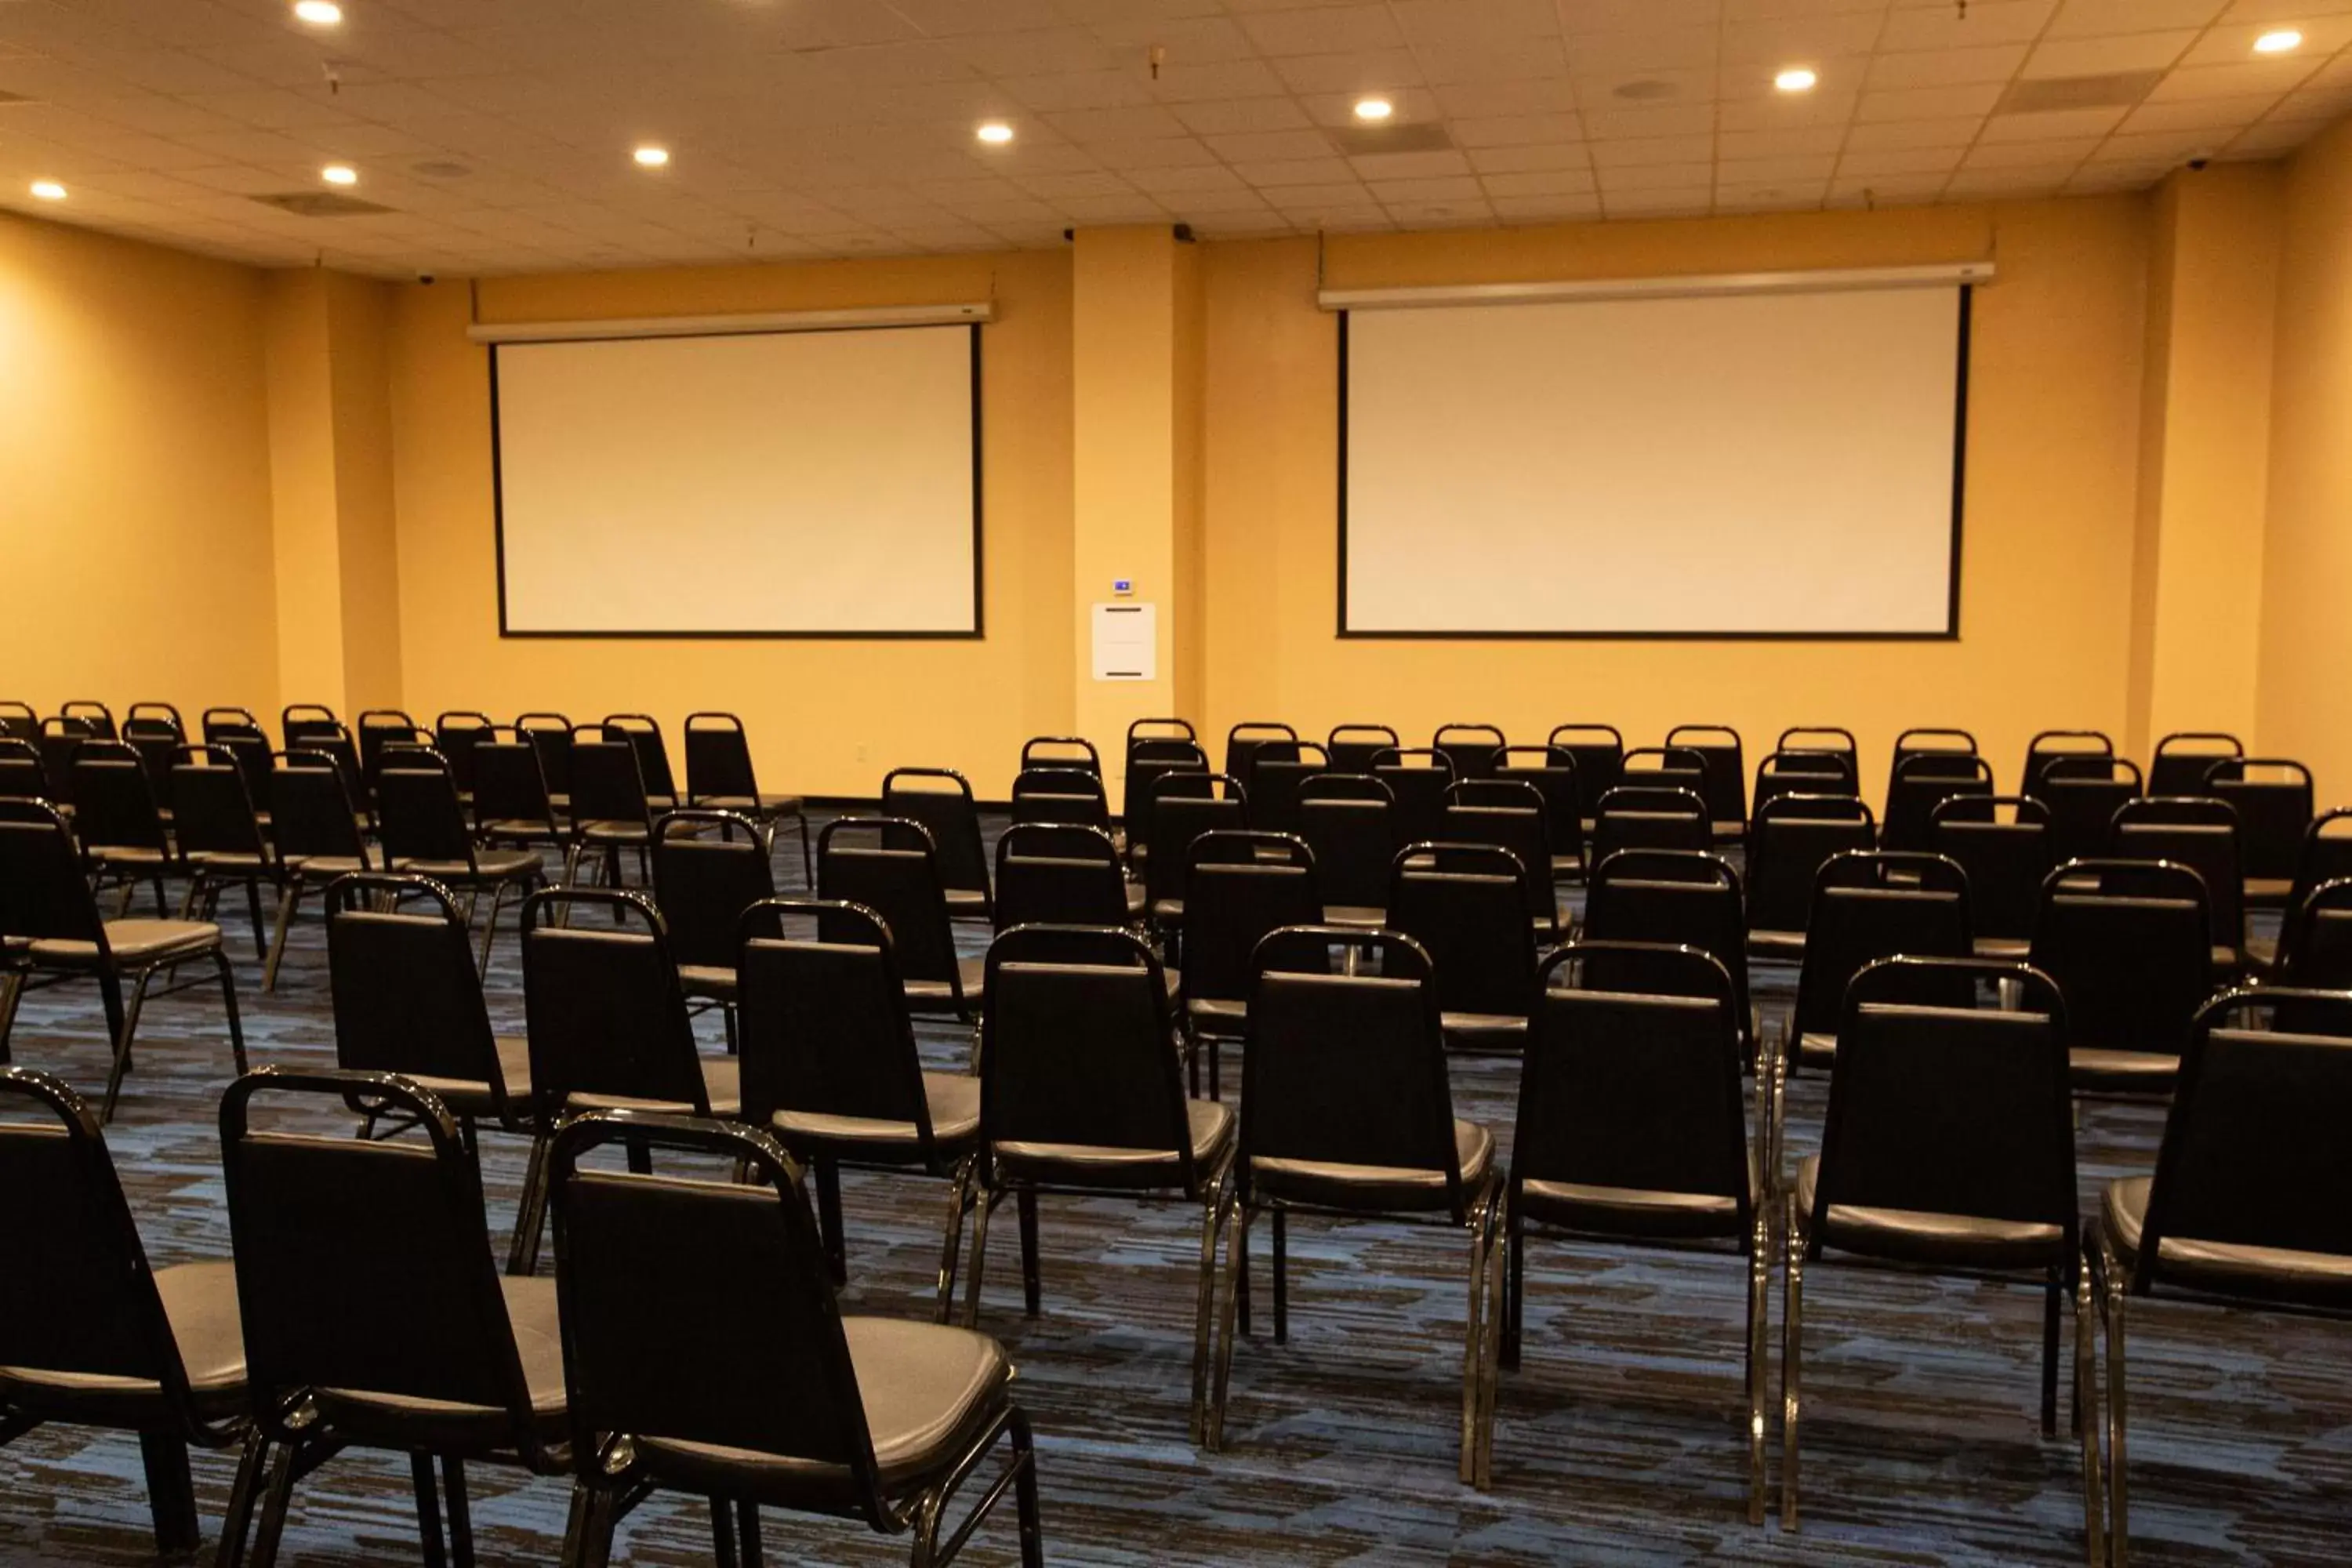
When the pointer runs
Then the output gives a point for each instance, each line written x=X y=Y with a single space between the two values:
x=2118 y=1286
x=952 y=1244
x=1793 y=1280
x=1212 y=1220
x=980 y=1212
x=2086 y=1421
x=1236 y=1263
x=1759 y=1290
x=1472 y=1360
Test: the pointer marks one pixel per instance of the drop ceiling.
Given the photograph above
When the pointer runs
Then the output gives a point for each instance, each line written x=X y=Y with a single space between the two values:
x=497 y=133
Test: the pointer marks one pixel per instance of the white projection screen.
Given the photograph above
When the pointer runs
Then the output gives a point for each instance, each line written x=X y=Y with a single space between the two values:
x=758 y=484
x=1704 y=466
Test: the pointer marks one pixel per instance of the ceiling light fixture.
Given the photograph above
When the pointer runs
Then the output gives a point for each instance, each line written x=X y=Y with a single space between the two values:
x=1796 y=78
x=650 y=156
x=2283 y=41
x=317 y=13
x=1374 y=108
x=339 y=174
x=995 y=133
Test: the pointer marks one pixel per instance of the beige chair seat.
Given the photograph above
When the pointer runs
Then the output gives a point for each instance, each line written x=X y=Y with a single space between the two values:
x=1360 y=917
x=1134 y=901
x=2009 y=948
x=523 y=827
x=1787 y=946
x=128 y=855
x=324 y=868
x=473 y=1099
x=2100 y=1070
x=2262 y=952
x=1215 y=1011
x=1332 y=1184
x=722 y=1085
x=622 y=834
x=490 y=866
x=1211 y=1124
x=200 y=1302
x=969 y=902
x=765 y=805
x=1169 y=911
x=973 y=971
x=1484 y=1031
x=1959 y=1240
x=707 y=980
x=2268 y=892
x=1815 y=1049
x=2228 y=1268
x=952 y=1100
x=1633 y=1211
x=133 y=942
x=233 y=863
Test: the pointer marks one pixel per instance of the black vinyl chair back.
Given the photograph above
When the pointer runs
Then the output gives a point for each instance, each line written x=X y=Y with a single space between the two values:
x=2007 y=858
x=2255 y=1153
x=1928 y=742
x=1244 y=741
x=1509 y=815
x=382 y=727
x=718 y=760
x=312 y=812
x=1418 y=778
x=551 y=735
x=2326 y=855
x=1060 y=795
x=407 y=998
x=422 y=817
x=1276 y=770
x=941 y=800
x=1058 y=873
x=213 y=809
x=2052 y=745
x=2183 y=762
x=1183 y=808
x=608 y=786
x=1551 y=769
x=1348 y=821
x=1674 y=898
x=96 y=719
x=602 y=1006
x=645 y=733
x=1464 y=907
x=114 y=801
x=1649 y=817
x=1924 y=781
x=61 y=739
x=2083 y=795
x=1803 y=772
x=1938 y=1105
x=1352 y=747
x=709 y=867
x=1874 y=904
x=154 y=730
x=1667 y=767
x=363 y=1274
x=1835 y=739
x=1150 y=759
x=1468 y=748
x=1151 y=731
x=22 y=776
x=1632 y=1075
x=821 y=1017
x=1794 y=837
x=1725 y=789
x=1074 y=1046
x=19 y=721
x=1242 y=884
x=2195 y=831
x=2130 y=943
x=887 y=865
x=2273 y=796
x=1599 y=750
x=511 y=783
x=308 y=727
x=241 y=734
x=1347 y=1068
x=43 y=893
x=1061 y=751
x=2315 y=950
x=454 y=735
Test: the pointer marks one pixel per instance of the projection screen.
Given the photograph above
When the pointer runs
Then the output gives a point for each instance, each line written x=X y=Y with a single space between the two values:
x=767 y=484
x=1727 y=465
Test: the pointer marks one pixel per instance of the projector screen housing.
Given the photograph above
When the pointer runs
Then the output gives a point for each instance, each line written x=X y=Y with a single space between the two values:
x=1775 y=464
x=773 y=484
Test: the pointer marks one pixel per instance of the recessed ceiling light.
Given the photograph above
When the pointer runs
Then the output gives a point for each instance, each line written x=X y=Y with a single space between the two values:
x=1374 y=108
x=2283 y=41
x=995 y=133
x=1796 y=78
x=339 y=174
x=317 y=13
x=650 y=156
x=49 y=190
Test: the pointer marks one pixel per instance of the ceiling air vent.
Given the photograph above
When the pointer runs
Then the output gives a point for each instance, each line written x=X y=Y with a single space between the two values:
x=1414 y=136
x=320 y=204
x=2117 y=90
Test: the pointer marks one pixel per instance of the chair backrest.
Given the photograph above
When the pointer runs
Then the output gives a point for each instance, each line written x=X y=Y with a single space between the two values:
x=887 y=864
x=1243 y=740
x=1061 y=751
x=1418 y=778
x=1352 y=747
x=1551 y=770
x=21 y=774
x=1632 y=1075
x=241 y=734
x=212 y=810
x=551 y=735
x=43 y=892
x=114 y=801
x=19 y=721
x=1348 y=821
x=1276 y=770
x=2195 y=831
x=2273 y=796
x=2006 y=859
x=2182 y=762
x=709 y=867
x=1835 y=739
x=821 y=1017
x=1671 y=767
x=96 y=719
x=645 y=733
x=2083 y=794
x=2326 y=855
x=312 y=811
x=1940 y=1105
x=407 y=999
x=1679 y=898
x=421 y=817
x=1801 y=772
x=1599 y=750
x=1075 y=1045
x=608 y=785
x=718 y=760
x=60 y=739
x=1150 y=759
x=454 y=735
x=382 y=727
x=602 y=1007
x=1719 y=749
x=1058 y=873
x=1347 y=1068
x=2051 y=745
x=1183 y=808
x=364 y=1276
x=1464 y=906
x=2131 y=943
x=1928 y=742
x=2315 y=949
x=1468 y=748
x=1872 y=904
x=941 y=800
x=511 y=781
x=2255 y=1153
x=660 y=1279
x=1060 y=795
x=1242 y=885
x=1647 y=816
x=153 y=730
x=1794 y=836
x=1509 y=815
x=1924 y=781
x=306 y=727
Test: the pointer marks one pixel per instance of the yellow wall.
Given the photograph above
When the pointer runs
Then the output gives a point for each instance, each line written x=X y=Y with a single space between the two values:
x=134 y=476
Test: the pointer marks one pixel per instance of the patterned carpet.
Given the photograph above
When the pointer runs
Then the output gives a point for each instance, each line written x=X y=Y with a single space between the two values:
x=1619 y=1440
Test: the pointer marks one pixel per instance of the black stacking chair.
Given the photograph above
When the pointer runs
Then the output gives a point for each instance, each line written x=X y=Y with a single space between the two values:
x=612 y=810
x=1800 y=773
x=1464 y=907
x=1725 y=784
x=19 y=721
x=1080 y=1092
x=1509 y=813
x=608 y=1028
x=2247 y=1208
x=1348 y=821
x=1832 y=740
x=21 y=774
x=1352 y=747
x=551 y=735
x=1060 y=795
x=2200 y=833
x=887 y=865
x=1242 y=883
x=424 y=832
x=1061 y=751
x=664 y=1280
x=1678 y=898
x=60 y=741
x=1949 y=1148
x=1868 y=905
x=119 y=823
x=315 y=831
x=2272 y=798
x=2083 y=793
x=1346 y=1110
x=1925 y=781
x=1667 y=767
x=1649 y=817
x=2056 y=745
x=1599 y=753
x=2131 y=943
x=1419 y=778
x=1795 y=836
x=1632 y=1129
x=2183 y=762
x=1244 y=741
x=644 y=732
x=2006 y=860
x=1149 y=760
x=1276 y=771
x=241 y=735
x=425 y=1350
x=941 y=800
x=154 y=730
x=90 y=1334
x=51 y=931
x=1061 y=873
x=1183 y=807
x=709 y=867
x=1469 y=749
x=720 y=777
x=221 y=836
x=513 y=806
x=1551 y=771
x=454 y=735
x=379 y=728
x=308 y=727
x=1929 y=741
x=830 y=1068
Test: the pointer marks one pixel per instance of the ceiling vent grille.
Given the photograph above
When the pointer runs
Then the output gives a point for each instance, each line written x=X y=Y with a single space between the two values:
x=320 y=204
x=1414 y=136
x=2117 y=90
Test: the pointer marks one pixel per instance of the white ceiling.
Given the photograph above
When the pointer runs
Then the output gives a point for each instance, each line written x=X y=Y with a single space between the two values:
x=844 y=127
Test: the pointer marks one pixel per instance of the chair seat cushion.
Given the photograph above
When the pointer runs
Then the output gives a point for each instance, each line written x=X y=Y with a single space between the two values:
x=465 y=1098
x=1961 y=1241
x=1632 y=1211
x=200 y=1302
x=1211 y=1124
x=325 y=867
x=614 y=832
x=1788 y=946
x=1484 y=1031
x=952 y=1098
x=1134 y=901
x=765 y=805
x=538 y=1338
x=2320 y=1279
x=513 y=827
x=707 y=980
x=967 y=901
x=1362 y=917
x=2268 y=892
x=722 y=1085
x=1168 y=912
x=2100 y=1070
x=929 y=995
x=134 y=941
x=2010 y=949
x=127 y=855
x=1815 y=1050
x=1335 y=1184
x=488 y=865
x=1216 y=1010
